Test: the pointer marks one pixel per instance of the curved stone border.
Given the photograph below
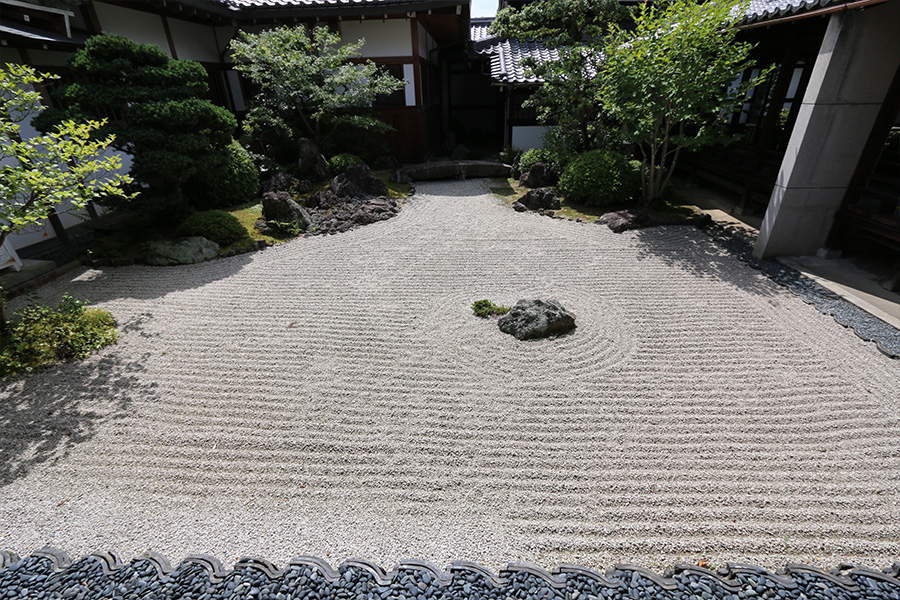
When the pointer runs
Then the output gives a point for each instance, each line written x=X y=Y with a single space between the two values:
x=51 y=573
x=867 y=326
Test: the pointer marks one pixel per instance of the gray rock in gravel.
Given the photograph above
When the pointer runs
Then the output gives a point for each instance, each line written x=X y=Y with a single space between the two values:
x=623 y=220
x=519 y=207
x=540 y=199
x=184 y=251
x=530 y=319
x=280 y=207
x=358 y=182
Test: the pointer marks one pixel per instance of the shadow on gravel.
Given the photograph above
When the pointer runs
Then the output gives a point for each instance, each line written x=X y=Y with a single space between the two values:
x=139 y=282
x=44 y=417
x=701 y=255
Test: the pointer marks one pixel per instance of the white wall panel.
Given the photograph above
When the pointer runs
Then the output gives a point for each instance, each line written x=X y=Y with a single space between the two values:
x=392 y=37
x=142 y=27
x=194 y=41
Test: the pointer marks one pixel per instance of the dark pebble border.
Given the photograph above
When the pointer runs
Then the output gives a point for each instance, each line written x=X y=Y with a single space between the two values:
x=50 y=574
x=867 y=326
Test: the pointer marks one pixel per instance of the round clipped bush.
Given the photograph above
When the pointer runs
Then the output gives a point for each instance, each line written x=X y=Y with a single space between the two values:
x=216 y=225
x=234 y=181
x=340 y=162
x=599 y=178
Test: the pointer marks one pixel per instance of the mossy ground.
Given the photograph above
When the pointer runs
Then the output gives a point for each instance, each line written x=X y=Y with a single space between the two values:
x=668 y=211
x=127 y=241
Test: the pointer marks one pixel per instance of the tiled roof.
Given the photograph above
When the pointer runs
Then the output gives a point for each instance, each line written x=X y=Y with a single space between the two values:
x=763 y=10
x=239 y=4
x=480 y=28
x=507 y=56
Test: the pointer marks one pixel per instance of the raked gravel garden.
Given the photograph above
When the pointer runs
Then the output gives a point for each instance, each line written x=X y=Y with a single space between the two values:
x=335 y=396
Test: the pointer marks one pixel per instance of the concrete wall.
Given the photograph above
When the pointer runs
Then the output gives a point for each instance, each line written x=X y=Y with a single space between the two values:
x=528 y=136
x=856 y=65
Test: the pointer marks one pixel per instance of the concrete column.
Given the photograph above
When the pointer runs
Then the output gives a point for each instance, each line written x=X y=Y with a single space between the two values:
x=857 y=62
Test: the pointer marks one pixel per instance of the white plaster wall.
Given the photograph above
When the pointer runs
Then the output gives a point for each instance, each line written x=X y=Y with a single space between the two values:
x=423 y=41
x=528 y=136
x=409 y=76
x=224 y=35
x=141 y=27
x=194 y=41
x=393 y=37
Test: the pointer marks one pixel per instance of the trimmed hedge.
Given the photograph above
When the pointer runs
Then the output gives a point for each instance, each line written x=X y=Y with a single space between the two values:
x=599 y=178
x=235 y=181
x=216 y=225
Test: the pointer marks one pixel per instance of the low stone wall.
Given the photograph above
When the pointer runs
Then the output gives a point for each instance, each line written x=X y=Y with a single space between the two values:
x=49 y=573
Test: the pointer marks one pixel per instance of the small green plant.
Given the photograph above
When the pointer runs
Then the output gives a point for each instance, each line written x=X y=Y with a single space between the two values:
x=217 y=225
x=340 y=162
x=40 y=335
x=290 y=228
x=599 y=178
x=486 y=308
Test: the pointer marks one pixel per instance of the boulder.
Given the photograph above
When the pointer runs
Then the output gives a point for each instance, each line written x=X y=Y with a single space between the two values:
x=184 y=251
x=377 y=209
x=538 y=176
x=279 y=182
x=280 y=207
x=311 y=164
x=623 y=220
x=358 y=182
x=519 y=207
x=530 y=319
x=540 y=199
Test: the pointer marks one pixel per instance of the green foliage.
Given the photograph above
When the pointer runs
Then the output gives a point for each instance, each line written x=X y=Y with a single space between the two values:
x=340 y=162
x=558 y=23
x=40 y=335
x=235 y=181
x=310 y=86
x=163 y=117
x=566 y=99
x=599 y=178
x=535 y=155
x=486 y=308
x=216 y=225
x=667 y=81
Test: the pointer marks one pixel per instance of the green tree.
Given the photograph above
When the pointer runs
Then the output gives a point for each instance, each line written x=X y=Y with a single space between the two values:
x=565 y=99
x=310 y=86
x=161 y=115
x=65 y=167
x=668 y=81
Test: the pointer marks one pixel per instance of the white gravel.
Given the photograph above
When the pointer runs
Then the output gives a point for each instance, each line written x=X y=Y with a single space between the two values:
x=336 y=397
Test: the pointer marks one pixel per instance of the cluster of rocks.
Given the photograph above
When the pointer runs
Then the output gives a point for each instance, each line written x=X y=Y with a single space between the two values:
x=537 y=318
x=356 y=197
x=49 y=574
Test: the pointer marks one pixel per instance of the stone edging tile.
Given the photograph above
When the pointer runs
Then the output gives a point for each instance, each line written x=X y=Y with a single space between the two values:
x=51 y=573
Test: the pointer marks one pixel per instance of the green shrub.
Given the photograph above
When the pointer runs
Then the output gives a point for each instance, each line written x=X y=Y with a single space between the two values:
x=234 y=181
x=40 y=335
x=217 y=225
x=599 y=178
x=535 y=155
x=486 y=308
x=340 y=162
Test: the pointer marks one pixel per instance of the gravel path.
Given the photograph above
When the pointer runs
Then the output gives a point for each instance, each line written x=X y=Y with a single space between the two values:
x=336 y=397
